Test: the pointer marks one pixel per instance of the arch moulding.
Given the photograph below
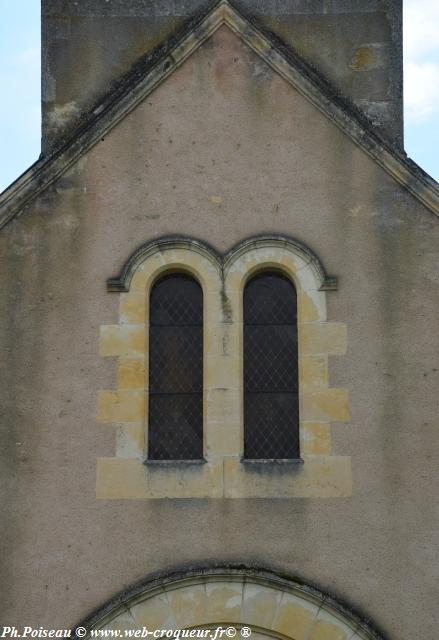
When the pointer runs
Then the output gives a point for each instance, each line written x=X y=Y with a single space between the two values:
x=271 y=606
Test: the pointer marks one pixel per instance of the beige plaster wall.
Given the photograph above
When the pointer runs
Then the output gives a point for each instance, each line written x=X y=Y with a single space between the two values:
x=222 y=151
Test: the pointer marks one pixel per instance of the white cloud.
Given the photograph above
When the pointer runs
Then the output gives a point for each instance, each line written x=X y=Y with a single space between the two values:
x=30 y=57
x=20 y=80
x=421 y=28
x=421 y=90
x=421 y=58
x=19 y=110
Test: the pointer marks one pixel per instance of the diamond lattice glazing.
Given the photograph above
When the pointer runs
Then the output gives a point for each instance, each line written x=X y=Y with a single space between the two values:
x=271 y=407
x=175 y=430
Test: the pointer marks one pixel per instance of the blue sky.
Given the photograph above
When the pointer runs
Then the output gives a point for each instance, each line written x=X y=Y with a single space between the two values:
x=20 y=80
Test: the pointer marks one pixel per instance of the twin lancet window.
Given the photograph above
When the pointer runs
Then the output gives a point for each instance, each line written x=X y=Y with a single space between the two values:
x=271 y=405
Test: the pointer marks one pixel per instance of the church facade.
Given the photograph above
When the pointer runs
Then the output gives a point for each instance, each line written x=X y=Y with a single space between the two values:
x=219 y=328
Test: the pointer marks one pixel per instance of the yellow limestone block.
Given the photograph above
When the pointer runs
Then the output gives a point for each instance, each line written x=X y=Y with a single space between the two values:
x=323 y=630
x=315 y=438
x=132 y=308
x=313 y=372
x=139 y=281
x=125 y=405
x=318 y=477
x=323 y=338
x=294 y=618
x=122 y=340
x=292 y=262
x=218 y=308
x=222 y=339
x=259 y=605
x=234 y=279
x=304 y=276
x=188 y=604
x=130 y=440
x=122 y=622
x=224 y=601
x=223 y=404
x=330 y=405
x=131 y=373
x=223 y=371
x=309 y=309
x=154 y=613
x=119 y=478
x=223 y=438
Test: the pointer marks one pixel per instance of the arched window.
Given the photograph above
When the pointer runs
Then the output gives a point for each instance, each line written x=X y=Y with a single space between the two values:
x=175 y=427
x=271 y=402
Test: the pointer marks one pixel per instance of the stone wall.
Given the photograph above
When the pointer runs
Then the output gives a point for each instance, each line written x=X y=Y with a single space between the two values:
x=89 y=44
x=223 y=150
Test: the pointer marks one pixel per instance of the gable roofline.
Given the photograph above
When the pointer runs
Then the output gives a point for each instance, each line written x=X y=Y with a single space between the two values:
x=134 y=87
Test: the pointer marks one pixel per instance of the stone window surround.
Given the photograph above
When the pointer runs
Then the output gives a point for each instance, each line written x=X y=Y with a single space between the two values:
x=223 y=281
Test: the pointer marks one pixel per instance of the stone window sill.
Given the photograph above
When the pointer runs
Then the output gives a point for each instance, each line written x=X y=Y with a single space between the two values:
x=177 y=463
x=272 y=461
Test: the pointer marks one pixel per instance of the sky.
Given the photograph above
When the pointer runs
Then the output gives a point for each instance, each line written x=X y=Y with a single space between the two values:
x=20 y=70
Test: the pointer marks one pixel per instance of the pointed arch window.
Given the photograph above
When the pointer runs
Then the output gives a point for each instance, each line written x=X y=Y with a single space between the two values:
x=271 y=401
x=175 y=426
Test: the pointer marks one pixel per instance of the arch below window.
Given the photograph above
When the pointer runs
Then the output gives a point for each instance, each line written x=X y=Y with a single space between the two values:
x=271 y=401
x=175 y=425
x=272 y=606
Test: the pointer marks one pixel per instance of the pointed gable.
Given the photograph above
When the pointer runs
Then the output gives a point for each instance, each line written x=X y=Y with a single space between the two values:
x=132 y=90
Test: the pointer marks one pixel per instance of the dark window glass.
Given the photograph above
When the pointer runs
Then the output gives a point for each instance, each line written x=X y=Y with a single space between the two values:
x=175 y=429
x=271 y=403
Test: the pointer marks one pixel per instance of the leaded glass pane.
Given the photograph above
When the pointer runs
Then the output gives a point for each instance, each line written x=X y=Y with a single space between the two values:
x=175 y=430
x=271 y=404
